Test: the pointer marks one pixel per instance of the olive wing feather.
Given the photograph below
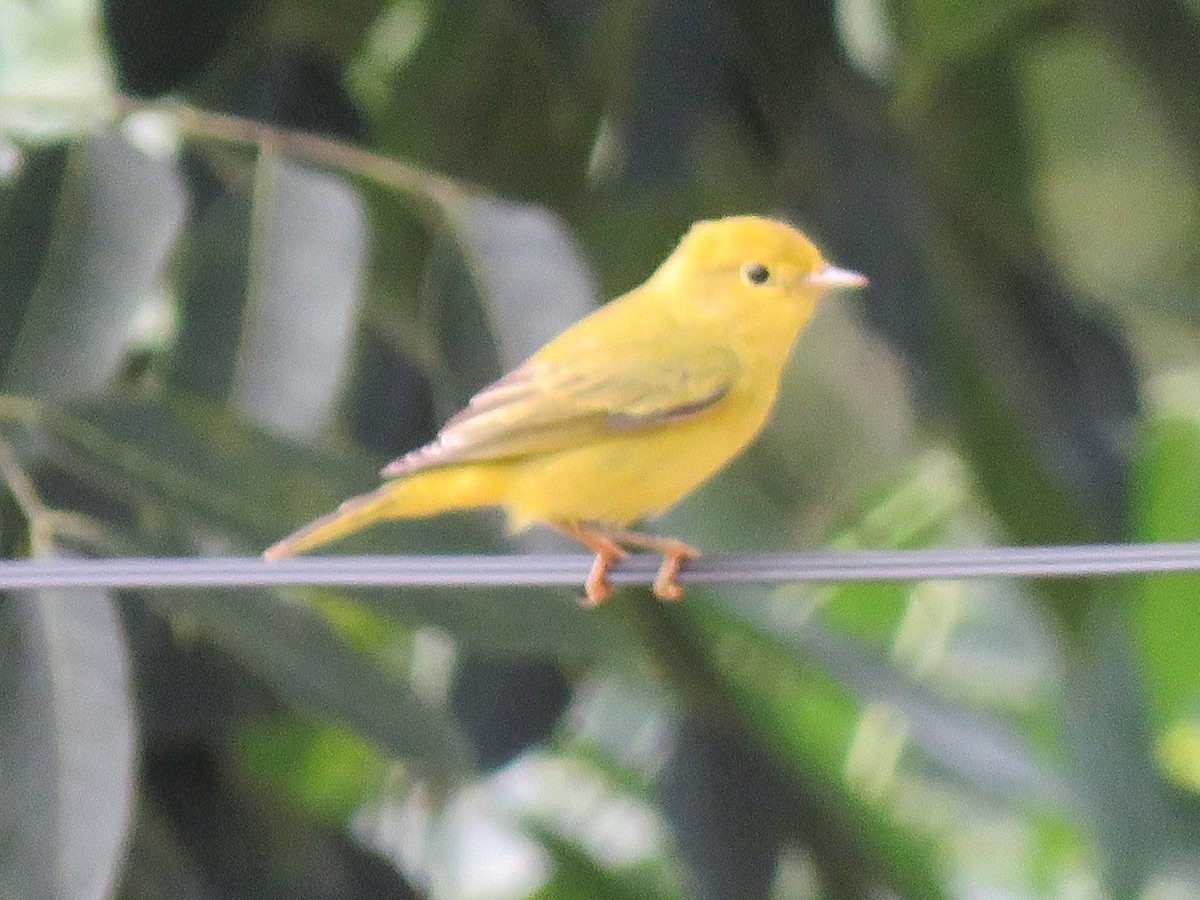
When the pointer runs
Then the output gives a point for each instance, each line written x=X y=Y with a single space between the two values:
x=547 y=405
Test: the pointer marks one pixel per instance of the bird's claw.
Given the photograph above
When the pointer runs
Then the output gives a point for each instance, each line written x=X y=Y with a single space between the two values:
x=665 y=586
x=598 y=588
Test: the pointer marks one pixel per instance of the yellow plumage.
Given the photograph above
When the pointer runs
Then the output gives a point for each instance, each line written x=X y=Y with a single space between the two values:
x=625 y=412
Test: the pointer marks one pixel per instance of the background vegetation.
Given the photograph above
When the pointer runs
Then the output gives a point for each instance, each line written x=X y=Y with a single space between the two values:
x=211 y=331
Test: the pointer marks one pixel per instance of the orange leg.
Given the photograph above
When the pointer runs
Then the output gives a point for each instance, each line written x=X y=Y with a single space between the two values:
x=607 y=552
x=674 y=552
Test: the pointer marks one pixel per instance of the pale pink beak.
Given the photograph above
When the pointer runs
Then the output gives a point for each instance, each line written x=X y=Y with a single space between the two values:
x=833 y=277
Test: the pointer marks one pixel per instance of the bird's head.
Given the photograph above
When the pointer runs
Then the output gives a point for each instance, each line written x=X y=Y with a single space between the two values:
x=761 y=254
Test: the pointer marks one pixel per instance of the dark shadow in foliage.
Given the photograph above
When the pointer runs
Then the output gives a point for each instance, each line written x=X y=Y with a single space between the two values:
x=294 y=88
x=213 y=280
x=239 y=842
x=678 y=70
x=392 y=410
x=508 y=705
x=727 y=806
x=733 y=808
x=187 y=687
x=26 y=227
x=244 y=845
x=158 y=45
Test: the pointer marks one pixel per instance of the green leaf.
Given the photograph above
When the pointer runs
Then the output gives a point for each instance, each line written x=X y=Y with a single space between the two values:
x=308 y=252
x=119 y=212
x=504 y=280
x=1117 y=197
x=947 y=32
x=811 y=721
x=577 y=876
x=530 y=275
x=1166 y=491
x=67 y=744
x=328 y=771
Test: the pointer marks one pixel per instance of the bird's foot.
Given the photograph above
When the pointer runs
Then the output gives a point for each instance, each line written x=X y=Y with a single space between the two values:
x=598 y=588
x=607 y=545
x=675 y=553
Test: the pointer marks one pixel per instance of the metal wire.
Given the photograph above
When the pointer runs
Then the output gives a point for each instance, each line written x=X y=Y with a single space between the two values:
x=550 y=570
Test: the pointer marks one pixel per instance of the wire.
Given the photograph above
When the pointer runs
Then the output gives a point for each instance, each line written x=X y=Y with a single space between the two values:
x=545 y=571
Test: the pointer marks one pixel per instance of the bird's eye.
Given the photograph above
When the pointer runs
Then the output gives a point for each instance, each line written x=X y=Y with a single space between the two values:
x=756 y=273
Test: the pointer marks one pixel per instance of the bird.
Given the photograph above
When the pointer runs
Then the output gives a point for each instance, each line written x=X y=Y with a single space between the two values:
x=625 y=412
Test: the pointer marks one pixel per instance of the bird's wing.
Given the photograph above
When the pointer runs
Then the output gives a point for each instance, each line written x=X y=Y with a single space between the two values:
x=548 y=405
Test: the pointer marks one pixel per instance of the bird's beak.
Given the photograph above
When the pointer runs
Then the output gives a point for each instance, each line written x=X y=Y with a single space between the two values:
x=833 y=277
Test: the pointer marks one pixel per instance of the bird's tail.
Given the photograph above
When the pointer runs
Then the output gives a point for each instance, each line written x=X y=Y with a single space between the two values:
x=421 y=494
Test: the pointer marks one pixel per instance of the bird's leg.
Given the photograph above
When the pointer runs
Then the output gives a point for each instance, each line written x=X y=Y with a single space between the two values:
x=607 y=552
x=674 y=552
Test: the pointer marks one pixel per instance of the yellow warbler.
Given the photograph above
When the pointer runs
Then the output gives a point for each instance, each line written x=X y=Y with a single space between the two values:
x=625 y=412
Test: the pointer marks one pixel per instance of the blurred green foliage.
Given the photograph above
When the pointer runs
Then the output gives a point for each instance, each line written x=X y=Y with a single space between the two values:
x=213 y=330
